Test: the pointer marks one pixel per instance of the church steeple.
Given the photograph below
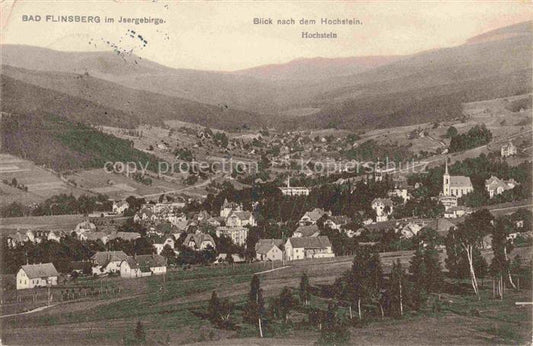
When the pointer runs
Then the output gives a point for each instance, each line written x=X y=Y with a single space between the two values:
x=446 y=180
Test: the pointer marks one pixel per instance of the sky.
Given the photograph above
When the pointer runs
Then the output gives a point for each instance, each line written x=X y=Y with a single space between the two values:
x=220 y=35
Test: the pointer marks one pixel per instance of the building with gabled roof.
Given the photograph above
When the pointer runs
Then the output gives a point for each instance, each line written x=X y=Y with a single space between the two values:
x=269 y=250
x=383 y=208
x=508 y=149
x=294 y=190
x=311 y=217
x=308 y=247
x=455 y=185
x=143 y=265
x=496 y=186
x=199 y=241
x=240 y=219
x=105 y=262
x=238 y=235
x=306 y=231
x=37 y=275
x=228 y=207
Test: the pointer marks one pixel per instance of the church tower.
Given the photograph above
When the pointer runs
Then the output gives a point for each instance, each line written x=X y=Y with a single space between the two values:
x=446 y=181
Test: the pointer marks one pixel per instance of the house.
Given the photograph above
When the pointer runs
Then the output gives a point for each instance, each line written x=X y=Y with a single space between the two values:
x=223 y=257
x=105 y=262
x=36 y=275
x=496 y=186
x=442 y=226
x=124 y=236
x=383 y=208
x=129 y=268
x=85 y=226
x=143 y=265
x=456 y=185
x=269 y=250
x=240 y=219
x=306 y=231
x=120 y=207
x=238 y=235
x=400 y=193
x=508 y=149
x=337 y=222
x=311 y=217
x=382 y=172
x=455 y=212
x=159 y=246
x=19 y=238
x=228 y=207
x=199 y=241
x=294 y=190
x=410 y=230
x=144 y=214
x=94 y=236
x=308 y=247
x=157 y=264
x=54 y=236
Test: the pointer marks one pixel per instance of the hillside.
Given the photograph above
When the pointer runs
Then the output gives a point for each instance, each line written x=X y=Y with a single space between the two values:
x=63 y=145
x=317 y=69
x=420 y=88
x=85 y=98
x=357 y=92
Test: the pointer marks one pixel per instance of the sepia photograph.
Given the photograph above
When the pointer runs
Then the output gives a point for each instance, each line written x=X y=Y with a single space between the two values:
x=275 y=172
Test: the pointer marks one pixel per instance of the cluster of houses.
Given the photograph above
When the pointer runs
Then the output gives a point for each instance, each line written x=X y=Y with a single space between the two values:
x=117 y=262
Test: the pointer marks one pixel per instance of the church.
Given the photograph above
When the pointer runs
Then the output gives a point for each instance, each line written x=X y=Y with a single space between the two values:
x=455 y=185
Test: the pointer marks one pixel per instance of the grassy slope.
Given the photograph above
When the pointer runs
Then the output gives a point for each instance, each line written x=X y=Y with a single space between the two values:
x=64 y=145
x=172 y=308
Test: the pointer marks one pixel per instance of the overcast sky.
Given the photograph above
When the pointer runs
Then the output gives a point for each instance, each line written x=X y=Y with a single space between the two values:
x=213 y=35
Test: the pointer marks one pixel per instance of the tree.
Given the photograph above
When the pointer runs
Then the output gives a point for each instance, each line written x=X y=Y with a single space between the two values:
x=140 y=335
x=304 y=289
x=255 y=308
x=219 y=310
x=213 y=307
x=363 y=282
x=286 y=302
x=501 y=265
x=419 y=271
x=169 y=254
x=333 y=332
x=451 y=132
x=468 y=235
x=398 y=287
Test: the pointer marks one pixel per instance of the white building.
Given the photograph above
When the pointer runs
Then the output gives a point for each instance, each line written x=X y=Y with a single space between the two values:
x=199 y=241
x=456 y=185
x=383 y=208
x=294 y=190
x=238 y=235
x=269 y=250
x=308 y=247
x=496 y=186
x=508 y=149
x=240 y=219
x=37 y=275
x=106 y=262
x=143 y=265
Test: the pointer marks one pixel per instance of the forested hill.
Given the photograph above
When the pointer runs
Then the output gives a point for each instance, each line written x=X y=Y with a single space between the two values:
x=64 y=145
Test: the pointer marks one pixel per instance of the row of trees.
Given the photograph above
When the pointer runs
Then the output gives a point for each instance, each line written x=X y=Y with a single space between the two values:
x=62 y=204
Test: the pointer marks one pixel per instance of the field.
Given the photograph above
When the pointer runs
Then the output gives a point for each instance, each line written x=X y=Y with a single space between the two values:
x=171 y=308
x=503 y=123
x=41 y=182
x=54 y=222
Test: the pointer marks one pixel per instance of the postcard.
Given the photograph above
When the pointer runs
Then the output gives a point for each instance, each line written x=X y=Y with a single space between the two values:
x=273 y=172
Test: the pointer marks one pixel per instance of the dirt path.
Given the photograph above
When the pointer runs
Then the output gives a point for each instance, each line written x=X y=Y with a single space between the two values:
x=30 y=311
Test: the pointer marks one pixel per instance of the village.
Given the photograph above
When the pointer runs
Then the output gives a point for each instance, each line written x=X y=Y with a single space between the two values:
x=161 y=235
